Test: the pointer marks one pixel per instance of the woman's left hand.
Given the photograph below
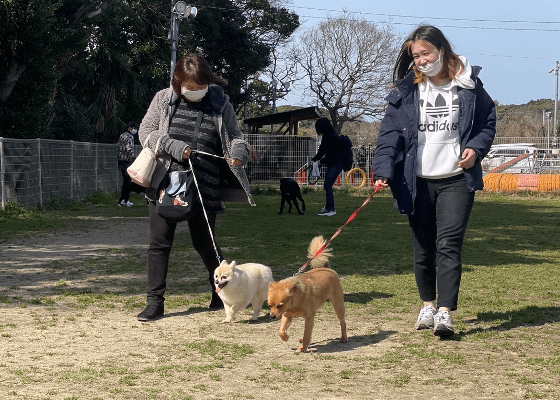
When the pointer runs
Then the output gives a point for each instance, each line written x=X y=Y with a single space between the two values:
x=236 y=162
x=468 y=158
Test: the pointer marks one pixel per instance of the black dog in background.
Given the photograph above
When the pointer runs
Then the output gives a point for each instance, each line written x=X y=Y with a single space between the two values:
x=290 y=191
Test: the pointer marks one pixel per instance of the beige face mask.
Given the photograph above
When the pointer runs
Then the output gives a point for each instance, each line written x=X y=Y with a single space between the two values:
x=194 y=95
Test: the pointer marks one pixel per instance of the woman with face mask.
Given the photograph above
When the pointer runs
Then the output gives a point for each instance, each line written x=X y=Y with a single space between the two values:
x=439 y=125
x=193 y=115
x=125 y=157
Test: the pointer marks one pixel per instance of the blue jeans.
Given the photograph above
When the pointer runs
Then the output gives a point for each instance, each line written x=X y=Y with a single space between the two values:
x=330 y=178
x=441 y=212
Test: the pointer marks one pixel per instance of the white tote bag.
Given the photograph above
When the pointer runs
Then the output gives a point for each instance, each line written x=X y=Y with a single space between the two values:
x=142 y=169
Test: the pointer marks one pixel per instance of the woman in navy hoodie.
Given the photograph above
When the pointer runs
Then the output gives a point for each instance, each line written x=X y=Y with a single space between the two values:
x=330 y=154
x=439 y=125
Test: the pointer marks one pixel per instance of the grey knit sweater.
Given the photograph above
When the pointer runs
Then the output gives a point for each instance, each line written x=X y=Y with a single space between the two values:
x=155 y=124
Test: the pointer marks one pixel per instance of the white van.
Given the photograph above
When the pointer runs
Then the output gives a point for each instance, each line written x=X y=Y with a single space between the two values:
x=500 y=154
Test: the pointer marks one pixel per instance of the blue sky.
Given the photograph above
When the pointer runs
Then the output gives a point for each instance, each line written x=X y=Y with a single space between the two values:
x=516 y=42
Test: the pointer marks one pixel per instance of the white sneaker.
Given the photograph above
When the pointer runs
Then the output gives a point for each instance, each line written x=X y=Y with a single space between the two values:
x=443 y=324
x=121 y=204
x=426 y=318
x=129 y=204
x=327 y=213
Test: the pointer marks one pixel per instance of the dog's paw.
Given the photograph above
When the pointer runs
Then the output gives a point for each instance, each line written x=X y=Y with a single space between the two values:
x=344 y=340
x=284 y=336
x=226 y=321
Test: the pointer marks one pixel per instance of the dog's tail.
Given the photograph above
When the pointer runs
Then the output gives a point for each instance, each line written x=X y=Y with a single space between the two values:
x=322 y=260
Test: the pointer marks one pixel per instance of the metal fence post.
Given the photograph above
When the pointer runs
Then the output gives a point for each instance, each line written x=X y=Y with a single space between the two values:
x=96 y=163
x=40 y=171
x=2 y=168
x=71 y=170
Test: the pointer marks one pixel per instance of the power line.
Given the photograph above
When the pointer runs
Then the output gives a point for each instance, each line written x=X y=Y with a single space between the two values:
x=524 y=57
x=202 y=6
x=452 y=26
x=430 y=17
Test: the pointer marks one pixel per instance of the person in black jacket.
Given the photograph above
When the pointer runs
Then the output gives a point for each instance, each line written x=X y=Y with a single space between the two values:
x=330 y=153
x=439 y=125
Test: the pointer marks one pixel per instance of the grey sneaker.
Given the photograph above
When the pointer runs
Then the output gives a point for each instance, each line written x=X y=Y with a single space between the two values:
x=327 y=213
x=443 y=324
x=426 y=318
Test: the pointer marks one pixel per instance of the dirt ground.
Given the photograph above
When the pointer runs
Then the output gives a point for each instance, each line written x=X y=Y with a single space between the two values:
x=61 y=348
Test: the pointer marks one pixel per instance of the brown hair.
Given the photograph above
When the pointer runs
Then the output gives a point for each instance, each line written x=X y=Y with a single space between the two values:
x=431 y=35
x=193 y=66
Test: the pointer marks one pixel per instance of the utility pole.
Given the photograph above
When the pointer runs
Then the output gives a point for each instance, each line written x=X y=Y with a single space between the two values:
x=179 y=10
x=555 y=72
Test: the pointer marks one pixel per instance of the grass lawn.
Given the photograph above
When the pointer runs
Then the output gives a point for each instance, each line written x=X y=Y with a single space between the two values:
x=507 y=343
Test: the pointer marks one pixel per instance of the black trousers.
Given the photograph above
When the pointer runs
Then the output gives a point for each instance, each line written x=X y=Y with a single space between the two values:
x=162 y=234
x=127 y=182
x=441 y=212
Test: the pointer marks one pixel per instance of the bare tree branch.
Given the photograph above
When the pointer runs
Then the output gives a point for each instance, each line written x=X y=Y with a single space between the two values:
x=348 y=62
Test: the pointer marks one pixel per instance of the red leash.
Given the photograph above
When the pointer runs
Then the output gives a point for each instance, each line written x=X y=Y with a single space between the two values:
x=352 y=217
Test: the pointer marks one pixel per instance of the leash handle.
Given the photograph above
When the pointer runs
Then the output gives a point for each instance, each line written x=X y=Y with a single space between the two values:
x=351 y=218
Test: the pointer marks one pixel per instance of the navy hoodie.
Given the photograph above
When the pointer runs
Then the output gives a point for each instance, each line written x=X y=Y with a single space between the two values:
x=395 y=155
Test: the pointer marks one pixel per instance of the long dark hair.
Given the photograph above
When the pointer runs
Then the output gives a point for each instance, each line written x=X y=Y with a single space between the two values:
x=193 y=66
x=452 y=65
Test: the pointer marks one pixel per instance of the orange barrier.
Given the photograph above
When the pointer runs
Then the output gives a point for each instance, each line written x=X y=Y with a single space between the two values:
x=549 y=183
x=500 y=182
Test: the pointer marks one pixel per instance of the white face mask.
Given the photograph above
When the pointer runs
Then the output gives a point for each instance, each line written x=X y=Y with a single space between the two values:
x=134 y=131
x=194 y=95
x=431 y=69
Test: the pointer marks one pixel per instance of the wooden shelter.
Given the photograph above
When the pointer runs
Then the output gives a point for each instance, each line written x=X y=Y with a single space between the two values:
x=287 y=120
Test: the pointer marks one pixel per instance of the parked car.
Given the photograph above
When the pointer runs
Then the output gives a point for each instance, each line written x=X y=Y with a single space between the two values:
x=500 y=154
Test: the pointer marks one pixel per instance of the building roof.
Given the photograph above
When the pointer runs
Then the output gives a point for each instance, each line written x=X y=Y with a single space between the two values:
x=289 y=118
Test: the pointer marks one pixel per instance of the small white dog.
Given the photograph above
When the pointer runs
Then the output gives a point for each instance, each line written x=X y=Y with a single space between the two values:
x=241 y=285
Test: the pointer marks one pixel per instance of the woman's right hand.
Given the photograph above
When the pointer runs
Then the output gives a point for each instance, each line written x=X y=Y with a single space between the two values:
x=186 y=153
x=382 y=182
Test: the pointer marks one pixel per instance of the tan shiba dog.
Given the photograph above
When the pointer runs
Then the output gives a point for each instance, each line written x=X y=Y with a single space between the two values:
x=241 y=285
x=304 y=294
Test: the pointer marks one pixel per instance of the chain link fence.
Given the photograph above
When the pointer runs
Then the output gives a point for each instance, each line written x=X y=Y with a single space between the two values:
x=36 y=171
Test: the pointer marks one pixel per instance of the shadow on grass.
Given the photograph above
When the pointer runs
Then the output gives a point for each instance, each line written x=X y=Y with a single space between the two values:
x=530 y=316
x=238 y=319
x=186 y=313
x=354 y=342
x=365 y=297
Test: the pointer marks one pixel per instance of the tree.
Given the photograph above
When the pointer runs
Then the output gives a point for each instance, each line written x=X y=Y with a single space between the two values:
x=37 y=38
x=81 y=69
x=348 y=62
x=238 y=39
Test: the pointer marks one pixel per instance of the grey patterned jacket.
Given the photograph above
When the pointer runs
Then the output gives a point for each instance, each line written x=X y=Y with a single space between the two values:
x=155 y=124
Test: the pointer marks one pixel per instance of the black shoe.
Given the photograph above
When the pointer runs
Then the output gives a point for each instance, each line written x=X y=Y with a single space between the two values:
x=151 y=313
x=216 y=302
